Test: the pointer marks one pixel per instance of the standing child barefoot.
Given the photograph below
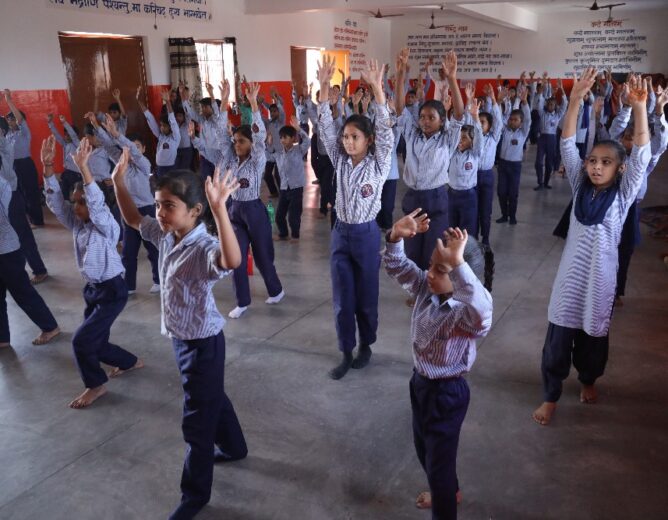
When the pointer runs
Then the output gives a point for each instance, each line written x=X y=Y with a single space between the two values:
x=95 y=234
x=584 y=289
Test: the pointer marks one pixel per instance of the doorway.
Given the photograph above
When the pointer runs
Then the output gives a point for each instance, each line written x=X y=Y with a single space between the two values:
x=97 y=64
x=304 y=65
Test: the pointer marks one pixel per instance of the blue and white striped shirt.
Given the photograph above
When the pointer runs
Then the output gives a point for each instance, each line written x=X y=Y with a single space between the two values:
x=549 y=121
x=165 y=153
x=443 y=335
x=9 y=240
x=188 y=271
x=273 y=126
x=291 y=163
x=95 y=241
x=427 y=158
x=359 y=188
x=512 y=141
x=99 y=165
x=208 y=130
x=7 y=155
x=249 y=172
x=491 y=139
x=20 y=140
x=584 y=288
x=68 y=149
x=463 y=170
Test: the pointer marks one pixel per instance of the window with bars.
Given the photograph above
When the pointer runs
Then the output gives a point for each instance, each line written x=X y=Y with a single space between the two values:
x=214 y=57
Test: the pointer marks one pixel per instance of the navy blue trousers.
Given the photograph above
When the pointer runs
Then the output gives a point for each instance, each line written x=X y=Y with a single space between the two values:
x=290 y=206
x=209 y=419
x=355 y=267
x=104 y=302
x=485 y=191
x=272 y=177
x=67 y=181
x=18 y=220
x=28 y=185
x=435 y=204
x=557 y=153
x=387 y=198
x=534 y=128
x=508 y=188
x=252 y=227
x=184 y=158
x=582 y=149
x=547 y=149
x=131 y=242
x=14 y=279
x=629 y=240
x=439 y=407
x=161 y=170
x=589 y=355
x=327 y=183
x=206 y=168
x=315 y=164
x=463 y=209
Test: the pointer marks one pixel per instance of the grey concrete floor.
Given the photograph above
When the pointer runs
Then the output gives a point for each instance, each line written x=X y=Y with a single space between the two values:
x=321 y=449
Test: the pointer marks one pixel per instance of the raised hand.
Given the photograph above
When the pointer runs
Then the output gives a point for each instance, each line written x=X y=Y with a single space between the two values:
x=49 y=118
x=357 y=97
x=661 y=99
x=191 y=129
x=326 y=70
x=116 y=94
x=82 y=154
x=8 y=94
x=449 y=65
x=209 y=89
x=48 y=153
x=252 y=91
x=489 y=90
x=474 y=109
x=224 y=91
x=524 y=92
x=219 y=190
x=92 y=119
x=447 y=101
x=469 y=90
x=373 y=76
x=110 y=125
x=62 y=118
x=637 y=92
x=164 y=95
x=584 y=83
x=402 y=61
x=118 y=175
x=294 y=122
x=450 y=249
x=409 y=225
x=598 y=107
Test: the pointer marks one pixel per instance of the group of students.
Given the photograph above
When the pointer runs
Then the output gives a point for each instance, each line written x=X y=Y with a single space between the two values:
x=197 y=229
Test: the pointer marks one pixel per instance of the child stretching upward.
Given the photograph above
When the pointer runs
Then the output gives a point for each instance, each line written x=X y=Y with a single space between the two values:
x=70 y=142
x=548 y=120
x=361 y=157
x=95 y=234
x=246 y=158
x=168 y=134
x=191 y=262
x=452 y=310
x=584 y=289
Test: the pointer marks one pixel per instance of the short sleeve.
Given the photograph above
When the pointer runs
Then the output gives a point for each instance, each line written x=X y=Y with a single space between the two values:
x=150 y=230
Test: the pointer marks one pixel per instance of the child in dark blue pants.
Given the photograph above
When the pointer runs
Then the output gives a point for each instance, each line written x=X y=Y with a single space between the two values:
x=362 y=164
x=95 y=234
x=452 y=309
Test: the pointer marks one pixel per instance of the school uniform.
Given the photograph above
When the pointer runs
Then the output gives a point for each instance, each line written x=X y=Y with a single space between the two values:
x=301 y=113
x=443 y=337
x=324 y=169
x=185 y=151
x=485 y=181
x=138 y=185
x=582 y=127
x=426 y=176
x=272 y=127
x=510 y=164
x=168 y=145
x=188 y=270
x=583 y=293
x=463 y=178
x=71 y=174
x=249 y=217
x=389 y=195
x=26 y=172
x=293 y=177
x=121 y=122
x=13 y=277
x=355 y=240
x=547 y=142
x=17 y=210
x=105 y=292
x=209 y=133
x=537 y=105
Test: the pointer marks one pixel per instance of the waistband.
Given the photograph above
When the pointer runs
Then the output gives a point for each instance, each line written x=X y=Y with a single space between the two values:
x=467 y=190
x=419 y=378
x=352 y=228
x=107 y=283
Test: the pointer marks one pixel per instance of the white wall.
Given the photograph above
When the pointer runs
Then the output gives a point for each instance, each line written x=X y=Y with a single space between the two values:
x=547 y=49
x=31 y=58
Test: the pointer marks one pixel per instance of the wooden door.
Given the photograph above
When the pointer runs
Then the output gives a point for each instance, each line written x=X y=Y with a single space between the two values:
x=298 y=66
x=96 y=65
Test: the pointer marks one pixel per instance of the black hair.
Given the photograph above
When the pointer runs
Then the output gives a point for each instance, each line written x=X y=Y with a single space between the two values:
x=77 y=186
x=244 y=130
x=287 y=131
x=412 y=91
x=364 y=125
x=10 y=115
x=75 y=128
x=187 y=186
x=89 y=129
x=468 y=130
x=617 y=147
x=136 y=137
x=164 y=119
x=488 y=116
x=517 y=112
x=179 y=110
x=114 y=106
x=436 y=105
x=273 y=106
x=4 y=126
x=480 y=259
x=205 y=102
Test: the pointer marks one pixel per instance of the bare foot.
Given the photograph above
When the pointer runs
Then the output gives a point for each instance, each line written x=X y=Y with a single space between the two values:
x=588 y=394
x=88 y=396
x=5 y=344
x=115 y=372
x=45 y=337
x=544 y=412
x=38 y=278
x=410 y=302
x=294 y=240
x=423 y=500
x=619 y=302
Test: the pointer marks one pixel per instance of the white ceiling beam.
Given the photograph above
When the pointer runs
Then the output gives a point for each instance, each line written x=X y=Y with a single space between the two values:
x=505 y=14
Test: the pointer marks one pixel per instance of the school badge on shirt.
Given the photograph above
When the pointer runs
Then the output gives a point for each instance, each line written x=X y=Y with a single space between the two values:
x=366 y=190
x=514 y=142
x=244 y=183
x=165 y=146
x=468 y=165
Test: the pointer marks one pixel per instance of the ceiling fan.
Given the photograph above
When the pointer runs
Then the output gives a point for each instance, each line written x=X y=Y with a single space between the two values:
x=378 y=14
x=596 y=7
x=432 y=26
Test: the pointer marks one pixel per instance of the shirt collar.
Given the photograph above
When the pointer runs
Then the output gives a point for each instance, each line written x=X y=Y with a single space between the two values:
x=450 y=302
x=191 y=237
